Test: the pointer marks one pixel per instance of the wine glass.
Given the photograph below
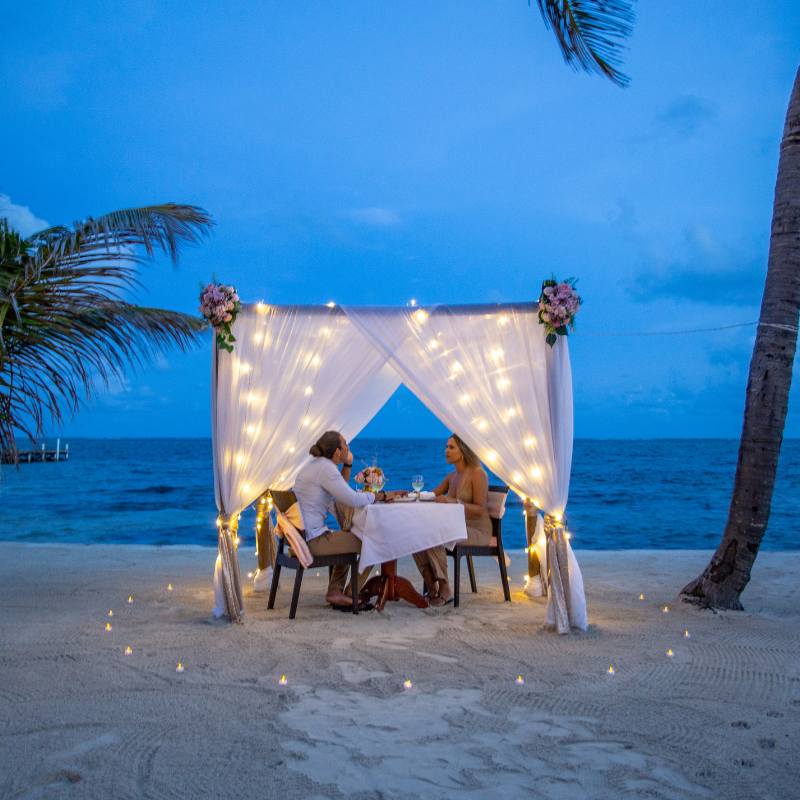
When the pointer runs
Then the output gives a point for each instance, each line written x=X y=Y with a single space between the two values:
x=417 y=482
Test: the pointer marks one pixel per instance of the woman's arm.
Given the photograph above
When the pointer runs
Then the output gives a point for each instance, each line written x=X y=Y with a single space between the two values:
x=444 y=486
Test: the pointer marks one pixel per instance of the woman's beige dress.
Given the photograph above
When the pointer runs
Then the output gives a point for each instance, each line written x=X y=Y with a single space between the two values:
x=479 y=532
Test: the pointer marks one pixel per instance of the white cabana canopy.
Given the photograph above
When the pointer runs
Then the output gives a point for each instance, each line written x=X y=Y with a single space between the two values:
x=484 y=370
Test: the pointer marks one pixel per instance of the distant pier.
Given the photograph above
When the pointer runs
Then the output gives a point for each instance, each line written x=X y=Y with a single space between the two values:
x=40 y=455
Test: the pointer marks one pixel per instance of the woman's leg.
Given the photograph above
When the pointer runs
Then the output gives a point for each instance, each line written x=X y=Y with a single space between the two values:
x=437 y=563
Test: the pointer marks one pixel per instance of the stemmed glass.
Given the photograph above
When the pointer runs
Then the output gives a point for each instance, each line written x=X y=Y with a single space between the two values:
x=417 y=482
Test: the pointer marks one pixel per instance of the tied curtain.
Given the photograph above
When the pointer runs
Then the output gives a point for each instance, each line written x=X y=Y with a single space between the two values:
x=295 y=372
x=489 y=375
x=485 y=371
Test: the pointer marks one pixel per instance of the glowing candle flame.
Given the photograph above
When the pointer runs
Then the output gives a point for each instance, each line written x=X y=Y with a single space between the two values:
x=666 y=609
x=687 y=635
x=130 y=599
x=670 y=654
x=110 y=613
x=407 y=685
x=611 y=670
x=108 y=626
x=179 y=668
x=641 y=597
x=128 y=651
x=283 y=680
x=169 y=588
x=520 y=681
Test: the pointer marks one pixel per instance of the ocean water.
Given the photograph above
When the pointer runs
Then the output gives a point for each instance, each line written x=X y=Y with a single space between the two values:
x=667 y=493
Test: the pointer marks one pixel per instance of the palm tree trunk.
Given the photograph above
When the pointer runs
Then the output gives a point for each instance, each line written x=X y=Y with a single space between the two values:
x=768 y=384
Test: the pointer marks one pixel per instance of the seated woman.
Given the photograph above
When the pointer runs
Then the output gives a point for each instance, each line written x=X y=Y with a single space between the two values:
x=468 y=485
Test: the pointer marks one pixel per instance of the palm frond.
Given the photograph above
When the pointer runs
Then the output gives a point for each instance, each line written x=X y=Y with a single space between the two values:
x=591 y=33
x=65 y=329
x=167 y=226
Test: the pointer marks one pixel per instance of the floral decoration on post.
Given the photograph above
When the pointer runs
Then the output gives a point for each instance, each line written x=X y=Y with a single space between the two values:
x=371 y=478
x=219 y=305
x=558 y=305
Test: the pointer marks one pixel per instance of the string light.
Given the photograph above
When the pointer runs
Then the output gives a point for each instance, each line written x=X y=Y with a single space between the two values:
x=464 y=398
x=250 y=574
x=245 y=368
x=502 y=320
x=491 y=456
x=239 y=458
x=308 y=390
x=516 y=477
x=536 y=472
x=315 y=360
x=512 y=412
x=433 y=343
x=530 y=442
x=421 y=316
x=260 y=307
x=291 y=449
x=251 y=429
x=481 y=425
x=456 y=367
x=325 y=330
x=502 y=383
x=246 y=487
x=257 y=337
x=331 y=304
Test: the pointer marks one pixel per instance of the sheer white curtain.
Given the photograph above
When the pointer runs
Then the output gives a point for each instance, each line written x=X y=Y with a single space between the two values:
x=489 y=375
x=295 y=372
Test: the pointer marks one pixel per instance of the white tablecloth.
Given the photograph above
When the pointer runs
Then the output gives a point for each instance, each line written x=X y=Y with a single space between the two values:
x=393 y=530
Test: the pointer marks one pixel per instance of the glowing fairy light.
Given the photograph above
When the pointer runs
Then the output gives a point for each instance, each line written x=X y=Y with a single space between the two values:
x=464 y=398
x=308 y=390
x=421 y=316
x=530 y=442
x=315 y=360
x=257 y=337
x=502 y=383
x=331 y=304
x=245 y=368
x=516 y=477
x=456 y=367
x=251 y=429
x=536 y=472
x=260 y=307
x=239 y=458
x=433 y=344
x=325 y=330
x=291 y=449
x=481 y=425
x=246 y=487
x=250 y=574
x=502 y=320
x=491 y=455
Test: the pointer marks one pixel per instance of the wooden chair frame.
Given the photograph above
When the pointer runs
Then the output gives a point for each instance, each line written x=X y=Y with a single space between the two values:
x=469 y=550
x=283 y=501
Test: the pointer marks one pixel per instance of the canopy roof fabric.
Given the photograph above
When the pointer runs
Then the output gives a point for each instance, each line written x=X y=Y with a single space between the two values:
x=297 y=371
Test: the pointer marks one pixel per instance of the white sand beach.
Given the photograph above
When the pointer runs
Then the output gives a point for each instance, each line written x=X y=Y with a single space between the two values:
x=83 y=719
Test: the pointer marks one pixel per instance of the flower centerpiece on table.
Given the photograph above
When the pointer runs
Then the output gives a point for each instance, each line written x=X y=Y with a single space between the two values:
x=558 y=305
x=219 y=305
x=371 y=478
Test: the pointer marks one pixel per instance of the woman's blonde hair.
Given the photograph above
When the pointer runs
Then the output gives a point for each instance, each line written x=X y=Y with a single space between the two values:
x=470 y=459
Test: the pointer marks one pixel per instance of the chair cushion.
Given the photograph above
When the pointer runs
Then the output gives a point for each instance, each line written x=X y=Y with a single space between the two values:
x=497 y=504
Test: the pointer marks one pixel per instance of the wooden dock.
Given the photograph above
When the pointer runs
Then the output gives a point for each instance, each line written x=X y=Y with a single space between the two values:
x=39 y=455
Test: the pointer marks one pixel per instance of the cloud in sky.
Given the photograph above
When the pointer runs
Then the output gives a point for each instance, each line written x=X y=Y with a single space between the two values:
x=685 y=115
x=711 y=273
x=21 y=218
x=378 y=217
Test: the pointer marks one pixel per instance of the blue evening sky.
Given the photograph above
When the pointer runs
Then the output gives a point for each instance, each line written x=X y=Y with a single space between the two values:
x=371 y=152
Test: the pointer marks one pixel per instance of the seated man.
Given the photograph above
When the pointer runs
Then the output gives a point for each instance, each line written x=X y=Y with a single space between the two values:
x=317 y=486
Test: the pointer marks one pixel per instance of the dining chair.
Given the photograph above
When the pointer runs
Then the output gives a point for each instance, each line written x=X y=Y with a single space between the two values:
x=283 y=501
x=497 y=506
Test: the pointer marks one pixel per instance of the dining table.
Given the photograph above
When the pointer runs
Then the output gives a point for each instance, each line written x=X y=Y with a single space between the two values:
x=391 y=530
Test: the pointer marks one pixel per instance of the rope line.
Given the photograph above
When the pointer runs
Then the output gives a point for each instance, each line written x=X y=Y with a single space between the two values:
x=697 y=330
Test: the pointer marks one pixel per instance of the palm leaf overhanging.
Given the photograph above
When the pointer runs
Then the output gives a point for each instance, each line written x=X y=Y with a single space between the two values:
x=64 y=325
x=591 y=33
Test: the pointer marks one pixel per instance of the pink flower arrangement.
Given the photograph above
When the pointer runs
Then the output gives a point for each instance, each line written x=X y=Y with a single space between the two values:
x=219 y=305
x=373 y=477
x=558 y=305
